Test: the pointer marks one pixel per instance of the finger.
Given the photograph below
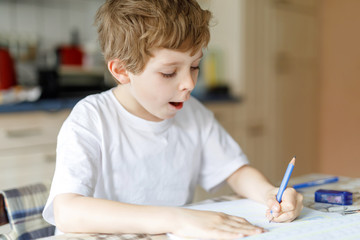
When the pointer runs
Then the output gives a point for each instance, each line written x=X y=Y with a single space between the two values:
x=269 y=215
x=291 y=203
x=212 y=232
x=245 y=228
x=287 y=207
x=271 y=202
x=274 y=212
x=273 y=205
x=241 y=223
x=289 y=200
x=234 y=223
x=220 y=233
x=290 y=215
x=239 y=219
x=242 y=231
x=285 y=217
x=223 y=217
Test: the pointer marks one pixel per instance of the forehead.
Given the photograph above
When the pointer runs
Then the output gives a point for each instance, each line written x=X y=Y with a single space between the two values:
x=166 y=57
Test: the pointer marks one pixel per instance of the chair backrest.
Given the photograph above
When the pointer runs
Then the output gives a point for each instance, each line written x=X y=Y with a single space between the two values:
x=3 y=214
x=22 y=208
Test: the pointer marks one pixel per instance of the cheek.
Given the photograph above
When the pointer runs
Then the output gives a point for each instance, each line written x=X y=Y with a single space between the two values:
x=153 y=89
x=162 y=94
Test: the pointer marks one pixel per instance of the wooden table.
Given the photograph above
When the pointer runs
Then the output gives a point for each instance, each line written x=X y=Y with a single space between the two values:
x=344 y=183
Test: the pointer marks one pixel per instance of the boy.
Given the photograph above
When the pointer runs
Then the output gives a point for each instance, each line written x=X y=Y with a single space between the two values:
x=126 y=158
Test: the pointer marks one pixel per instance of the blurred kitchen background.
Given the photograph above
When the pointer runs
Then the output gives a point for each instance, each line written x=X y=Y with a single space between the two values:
x=282 y=76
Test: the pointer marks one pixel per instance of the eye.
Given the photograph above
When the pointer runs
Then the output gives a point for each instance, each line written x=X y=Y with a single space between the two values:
x=195 y=68
x=168 y=75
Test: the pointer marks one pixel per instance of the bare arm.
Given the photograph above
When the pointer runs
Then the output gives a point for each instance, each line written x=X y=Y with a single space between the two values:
x=76 y=213
x=248 y=182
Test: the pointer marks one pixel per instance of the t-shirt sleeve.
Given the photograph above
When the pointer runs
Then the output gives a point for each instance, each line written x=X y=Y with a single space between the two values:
x=221 y=156
x=78 y=156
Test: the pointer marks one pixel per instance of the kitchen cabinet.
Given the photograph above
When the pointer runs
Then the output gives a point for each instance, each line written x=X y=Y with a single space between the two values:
x=27 y=149
x=282 y=85
x=231 y=115
x=273 y=47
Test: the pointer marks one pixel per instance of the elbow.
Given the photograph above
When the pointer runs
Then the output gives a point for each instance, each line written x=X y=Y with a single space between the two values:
x=64 y=214
x=61 y=220
x=61 y=223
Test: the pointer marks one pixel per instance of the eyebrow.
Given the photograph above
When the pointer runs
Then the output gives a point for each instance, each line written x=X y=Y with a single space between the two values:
x=177 y=63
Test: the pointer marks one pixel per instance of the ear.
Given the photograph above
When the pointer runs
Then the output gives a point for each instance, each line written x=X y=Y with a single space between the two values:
x=118 y=71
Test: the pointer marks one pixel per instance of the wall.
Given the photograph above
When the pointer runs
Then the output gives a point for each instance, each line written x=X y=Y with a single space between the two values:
x=227 y=38
x=339 y=136
x=48 y=20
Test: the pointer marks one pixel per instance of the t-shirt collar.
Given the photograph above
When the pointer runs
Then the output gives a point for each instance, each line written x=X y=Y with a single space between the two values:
x=140 y=123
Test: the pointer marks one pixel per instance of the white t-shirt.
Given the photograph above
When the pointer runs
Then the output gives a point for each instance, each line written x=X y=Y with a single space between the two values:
x=103 y=151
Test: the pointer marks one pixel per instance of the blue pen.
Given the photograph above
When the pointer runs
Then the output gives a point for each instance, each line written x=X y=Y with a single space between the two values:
x=285 y=180
x=316 y=182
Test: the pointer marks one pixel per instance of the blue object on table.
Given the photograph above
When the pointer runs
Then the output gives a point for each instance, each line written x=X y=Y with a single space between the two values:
x=334 y=197
x=316 y=182
x=285 y=180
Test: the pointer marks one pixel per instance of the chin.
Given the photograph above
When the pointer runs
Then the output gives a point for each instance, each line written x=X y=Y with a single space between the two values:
x=169 y=116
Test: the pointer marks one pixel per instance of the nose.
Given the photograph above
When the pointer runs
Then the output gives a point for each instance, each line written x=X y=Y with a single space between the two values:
x=188 y=82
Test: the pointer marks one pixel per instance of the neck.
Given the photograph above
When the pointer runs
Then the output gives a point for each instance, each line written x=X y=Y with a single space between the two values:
x=127 y=100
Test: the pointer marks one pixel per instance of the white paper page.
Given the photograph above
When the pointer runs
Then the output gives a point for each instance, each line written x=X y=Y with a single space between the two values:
x=311 y=224
x=255 y=212
x=341 y=228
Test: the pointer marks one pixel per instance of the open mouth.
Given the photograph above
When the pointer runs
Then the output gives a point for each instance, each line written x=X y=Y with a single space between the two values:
x=177 y=104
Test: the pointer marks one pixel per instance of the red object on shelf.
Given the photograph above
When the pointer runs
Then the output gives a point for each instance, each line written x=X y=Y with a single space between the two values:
x=7 y=70
x=71 y=55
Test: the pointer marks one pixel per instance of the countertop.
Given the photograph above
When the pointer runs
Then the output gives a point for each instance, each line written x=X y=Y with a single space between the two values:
x=58 y=104
x=51 y=105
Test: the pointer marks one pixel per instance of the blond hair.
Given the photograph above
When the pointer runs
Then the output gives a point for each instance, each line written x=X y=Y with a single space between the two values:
x=130 y=29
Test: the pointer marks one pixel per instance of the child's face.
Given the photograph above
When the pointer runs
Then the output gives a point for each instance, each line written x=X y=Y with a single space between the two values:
x=168 y=78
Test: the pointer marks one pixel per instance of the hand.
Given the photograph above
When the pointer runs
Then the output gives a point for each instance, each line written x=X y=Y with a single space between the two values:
x=289 y=208
x=212 y=225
